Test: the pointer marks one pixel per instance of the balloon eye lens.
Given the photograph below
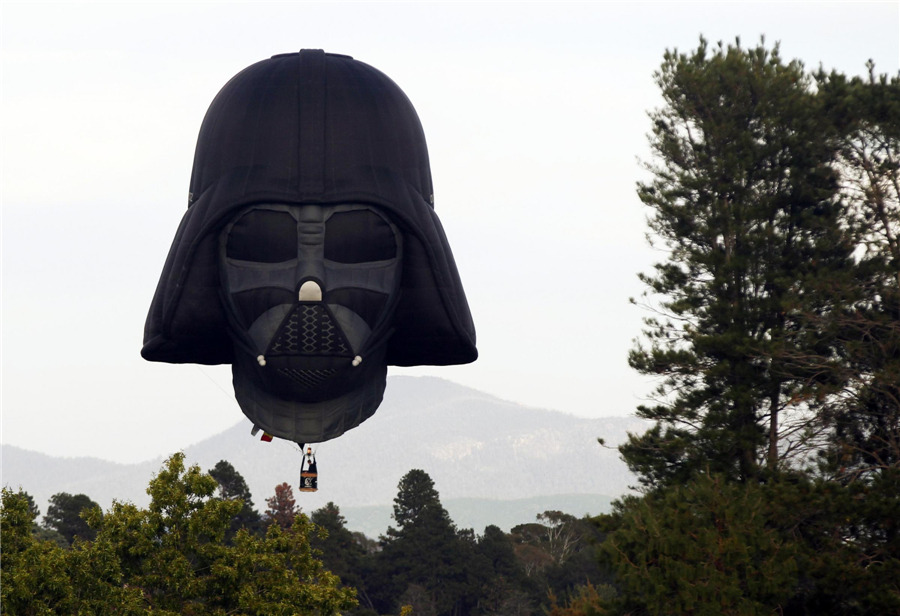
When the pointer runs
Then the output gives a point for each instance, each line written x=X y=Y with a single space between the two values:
x=263 y=236
x=358 y=237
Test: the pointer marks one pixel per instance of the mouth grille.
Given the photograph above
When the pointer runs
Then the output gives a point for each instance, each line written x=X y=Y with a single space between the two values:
x=307 y=378
x=310 y=330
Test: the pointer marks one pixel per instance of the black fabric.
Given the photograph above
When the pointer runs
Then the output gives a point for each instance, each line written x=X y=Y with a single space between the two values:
x=253 y=303
x=358 y=237
x=301 y=129
x=279 y=229
x=276 y=390
x=367 y=304
x=308 y=379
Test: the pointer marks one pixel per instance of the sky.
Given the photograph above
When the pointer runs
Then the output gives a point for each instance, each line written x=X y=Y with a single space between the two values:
x=536 y=120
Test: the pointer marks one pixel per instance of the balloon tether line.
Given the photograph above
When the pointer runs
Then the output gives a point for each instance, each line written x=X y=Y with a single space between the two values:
x=213 y=381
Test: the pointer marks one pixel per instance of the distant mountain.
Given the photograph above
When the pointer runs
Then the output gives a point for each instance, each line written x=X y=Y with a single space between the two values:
x=474 y=446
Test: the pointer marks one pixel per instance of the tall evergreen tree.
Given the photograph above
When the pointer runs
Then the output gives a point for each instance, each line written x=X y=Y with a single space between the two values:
x=341 y=552
x=510 y=590
x=417 y=500
x=39 y=532
x=497 y=547
x=707 y=547
x=233 y=487
x=789 y=319
x=33 y=509
x=231 y=483
x=858 y=543
x=64 y=516
x=426 y=555
x=744 y=199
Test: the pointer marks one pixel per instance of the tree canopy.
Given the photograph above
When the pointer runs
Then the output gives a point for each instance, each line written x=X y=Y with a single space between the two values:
x=233 y=487
x=64 y=516
x=744 y=199
x=770 y=474
x=171 y=558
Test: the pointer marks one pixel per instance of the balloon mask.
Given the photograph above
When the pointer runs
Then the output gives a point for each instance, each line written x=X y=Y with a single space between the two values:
x=309 y=291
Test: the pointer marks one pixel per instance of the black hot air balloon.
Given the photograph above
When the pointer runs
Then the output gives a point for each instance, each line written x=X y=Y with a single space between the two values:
x=310 y=256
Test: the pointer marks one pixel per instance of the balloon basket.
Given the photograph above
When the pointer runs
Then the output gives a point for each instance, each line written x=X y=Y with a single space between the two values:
x=309 y=482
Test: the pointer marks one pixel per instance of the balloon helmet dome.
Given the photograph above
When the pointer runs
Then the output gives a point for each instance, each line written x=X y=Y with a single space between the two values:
x=310 y=256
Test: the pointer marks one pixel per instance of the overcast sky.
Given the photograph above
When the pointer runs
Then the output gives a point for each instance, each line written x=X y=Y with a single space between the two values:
x=535 y=116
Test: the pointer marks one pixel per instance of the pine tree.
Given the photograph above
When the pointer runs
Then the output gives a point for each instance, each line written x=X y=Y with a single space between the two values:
x=341 y=552
x=231 y=483
x=64 y=516
x=711 y=546
x=233 y=487
x=780 y=206
x=497 y=547
x=744 y=199
x=33 y=509
x=417 y=501
x=509 y=590
x=426 y=555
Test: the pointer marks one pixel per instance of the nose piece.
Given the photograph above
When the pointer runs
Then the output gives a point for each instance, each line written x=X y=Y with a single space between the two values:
x=310 y=291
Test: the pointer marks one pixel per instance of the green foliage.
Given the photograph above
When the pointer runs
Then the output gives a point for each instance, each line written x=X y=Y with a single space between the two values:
x=850 y=538
x=41 y=577
x=40 y=532
x=64 y=515
x=231 y=483
x=426 y=562
x=233 y=487
x=416 y=500
x=558 y=555
x=342 y=554
x=862 y=412
x=590 y=600
x=435 y=568
x=32 y=506
x=744 y=199
x=45 y=534
x=791 y=546
x=175 y=552
x=170 y=558
x=497 y=548
x=777 y=195
x=704 y=548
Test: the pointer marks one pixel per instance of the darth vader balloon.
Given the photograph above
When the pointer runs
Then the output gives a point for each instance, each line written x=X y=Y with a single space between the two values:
x=310 y=256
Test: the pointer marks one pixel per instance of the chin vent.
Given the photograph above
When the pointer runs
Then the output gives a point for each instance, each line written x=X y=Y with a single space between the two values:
x=307 y=378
